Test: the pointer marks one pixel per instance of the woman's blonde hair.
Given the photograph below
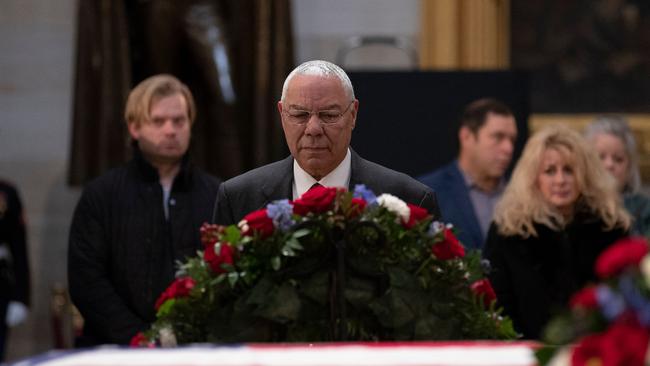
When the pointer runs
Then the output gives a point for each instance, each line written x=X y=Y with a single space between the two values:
x=522 y=204
x=152 y=89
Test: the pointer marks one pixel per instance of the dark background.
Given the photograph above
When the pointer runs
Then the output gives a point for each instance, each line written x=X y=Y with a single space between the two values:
x=585 y=56
x=408 y=121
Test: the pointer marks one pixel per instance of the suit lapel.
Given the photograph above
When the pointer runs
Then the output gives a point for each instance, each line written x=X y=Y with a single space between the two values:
x=278 y=185
x=354 y=170
x=358 y=171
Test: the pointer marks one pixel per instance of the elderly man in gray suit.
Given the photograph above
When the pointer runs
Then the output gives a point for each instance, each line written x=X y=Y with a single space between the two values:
x=319 y=112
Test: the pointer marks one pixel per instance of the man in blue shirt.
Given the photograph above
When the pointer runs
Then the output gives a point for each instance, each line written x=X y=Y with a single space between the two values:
x=469 y=187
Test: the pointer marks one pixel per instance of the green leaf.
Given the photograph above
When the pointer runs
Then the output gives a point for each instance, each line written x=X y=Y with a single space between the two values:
x=217 y=280
x=359 y=291
x=316 y=287
x=294 y=244
x=300 y=233
x=400 y=278
x=560 y=330
x=433 y=327
x=232 y=278
x=288 y=252
x=165 y=308
x=276 y=263
x=507 y=330
x=393 y=309
x=232 y=234
x=260 y=293
x=227 y=267
x=426 y=327
x=283 y=305
x=545 y=354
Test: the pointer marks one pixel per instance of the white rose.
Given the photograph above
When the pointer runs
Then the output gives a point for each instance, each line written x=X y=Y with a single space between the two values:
x=395 y=205
x=645 y=268
x=243 y=225
x=167 y=338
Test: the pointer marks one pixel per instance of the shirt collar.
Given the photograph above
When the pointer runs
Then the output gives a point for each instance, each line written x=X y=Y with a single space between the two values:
x=469 y=183
x=339 y=177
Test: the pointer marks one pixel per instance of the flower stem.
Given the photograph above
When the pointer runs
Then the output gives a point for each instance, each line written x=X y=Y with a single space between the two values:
x=424 y=264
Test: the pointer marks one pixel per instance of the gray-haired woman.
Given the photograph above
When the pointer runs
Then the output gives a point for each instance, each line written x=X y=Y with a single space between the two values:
x=613 y=140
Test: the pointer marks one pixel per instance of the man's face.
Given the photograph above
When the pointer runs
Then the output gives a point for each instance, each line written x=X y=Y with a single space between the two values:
x=491 y=148
x=317 y=146
x=165 y=137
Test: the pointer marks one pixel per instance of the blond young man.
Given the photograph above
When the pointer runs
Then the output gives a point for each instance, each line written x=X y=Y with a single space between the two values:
x=132 y=223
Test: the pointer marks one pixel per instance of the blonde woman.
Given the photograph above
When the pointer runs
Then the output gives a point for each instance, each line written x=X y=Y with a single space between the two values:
x=559 y=211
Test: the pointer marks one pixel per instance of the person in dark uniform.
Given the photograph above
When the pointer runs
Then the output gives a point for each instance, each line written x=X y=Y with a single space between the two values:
x=14 y=268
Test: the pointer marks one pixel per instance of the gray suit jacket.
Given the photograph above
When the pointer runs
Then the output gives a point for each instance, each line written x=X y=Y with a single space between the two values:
x=255 y=189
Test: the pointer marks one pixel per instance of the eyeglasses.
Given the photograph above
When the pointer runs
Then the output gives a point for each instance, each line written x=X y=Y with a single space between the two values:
x=327 y=117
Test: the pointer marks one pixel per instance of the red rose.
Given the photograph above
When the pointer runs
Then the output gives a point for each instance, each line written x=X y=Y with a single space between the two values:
x=357 y=206
x=449 y=248
x=484 y=287
x=625 y=252
x=624 y=343
x=585 y=298
x=181 y=287
x=226 y=255
x=417 y=214
x=139 y=340
x=210 y=233
x=317 y=200
x=259 y=222
x=592 y=350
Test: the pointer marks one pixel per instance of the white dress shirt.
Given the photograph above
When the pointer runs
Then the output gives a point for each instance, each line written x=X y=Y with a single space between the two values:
x=339 y=177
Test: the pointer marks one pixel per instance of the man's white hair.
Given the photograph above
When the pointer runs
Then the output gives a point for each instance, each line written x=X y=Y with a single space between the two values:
x=323 y=69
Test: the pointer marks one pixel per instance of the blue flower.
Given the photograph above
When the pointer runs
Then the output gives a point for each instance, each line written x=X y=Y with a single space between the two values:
x=637 y=301
x=486 y=266
x=281 y=212
x=435 y=227
x=611 y=303
x=360 y=191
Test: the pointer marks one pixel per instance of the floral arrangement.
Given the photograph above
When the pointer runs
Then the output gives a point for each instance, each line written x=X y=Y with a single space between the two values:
x=331 y=265
x=609 y=322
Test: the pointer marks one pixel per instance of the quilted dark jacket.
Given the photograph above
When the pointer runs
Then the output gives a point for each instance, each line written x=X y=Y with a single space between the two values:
x=122 y=249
